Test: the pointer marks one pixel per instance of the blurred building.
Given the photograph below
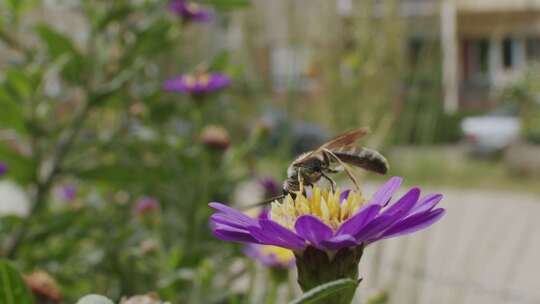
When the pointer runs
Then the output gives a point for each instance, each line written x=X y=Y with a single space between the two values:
x=484 y=44
x=497 y=39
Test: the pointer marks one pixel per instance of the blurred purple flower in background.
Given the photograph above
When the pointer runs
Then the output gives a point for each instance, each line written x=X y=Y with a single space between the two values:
x=197 y=84
x=271 y=187
x=3 y=168
x=146 y=205
x=190 y=11
x=270 y=256
x=68 y=193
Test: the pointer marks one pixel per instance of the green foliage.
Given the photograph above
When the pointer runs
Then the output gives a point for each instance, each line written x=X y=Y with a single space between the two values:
x=93 y=114
x=324 y=293
x=524 y=94
x=13 y=289
x=59 y=45
x=22 y=168
x=228 y=4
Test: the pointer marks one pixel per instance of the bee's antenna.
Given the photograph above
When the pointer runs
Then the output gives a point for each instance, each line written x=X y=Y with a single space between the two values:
x=265 y=202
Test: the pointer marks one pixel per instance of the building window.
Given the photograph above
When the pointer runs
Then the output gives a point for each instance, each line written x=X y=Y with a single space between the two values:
x=415 y=48
x=508 y=53
x=532 y=48
x=475 y=54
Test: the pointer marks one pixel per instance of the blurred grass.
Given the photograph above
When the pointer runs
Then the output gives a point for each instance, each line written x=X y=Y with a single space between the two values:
x=451 y=166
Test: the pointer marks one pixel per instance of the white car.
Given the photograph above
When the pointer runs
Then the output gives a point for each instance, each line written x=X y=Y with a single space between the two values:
x=493 y=132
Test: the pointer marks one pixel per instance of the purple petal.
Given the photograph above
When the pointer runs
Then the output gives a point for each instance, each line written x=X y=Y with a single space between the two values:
x=265 y=214
x=312 y=229
x=359 y=220
x=224 y=219
x=404 y=204
x=375 y=228
x=427 y=203
x=218 y=81
x=236 y=235
x=384 y=194
x=234 y=214
x=339 y=241
x=344 y=196
x=3 y=168
x=414 y=223
x=271 y=233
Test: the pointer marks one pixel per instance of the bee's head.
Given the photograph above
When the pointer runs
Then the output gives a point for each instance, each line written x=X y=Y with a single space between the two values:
x=311 y=169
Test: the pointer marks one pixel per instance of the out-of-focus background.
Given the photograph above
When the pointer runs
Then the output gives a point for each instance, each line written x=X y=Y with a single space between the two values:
x=105 y=176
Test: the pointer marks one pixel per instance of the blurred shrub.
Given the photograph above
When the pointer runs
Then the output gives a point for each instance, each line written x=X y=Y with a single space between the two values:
x=525 y=93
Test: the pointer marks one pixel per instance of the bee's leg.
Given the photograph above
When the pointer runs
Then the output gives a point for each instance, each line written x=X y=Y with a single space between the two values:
x=331 y=181
x=301 y=182
x=349 y=173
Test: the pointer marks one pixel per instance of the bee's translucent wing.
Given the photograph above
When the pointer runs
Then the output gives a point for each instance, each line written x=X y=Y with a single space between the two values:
x=345 y=139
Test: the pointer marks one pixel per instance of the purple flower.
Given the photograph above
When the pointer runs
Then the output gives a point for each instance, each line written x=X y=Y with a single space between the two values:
x=331 y=221
x=270 y=256
x=146 y=205
x=328 y=231
x=3 y=168
x=190 y=11
x=68 y=193
x=197 y=84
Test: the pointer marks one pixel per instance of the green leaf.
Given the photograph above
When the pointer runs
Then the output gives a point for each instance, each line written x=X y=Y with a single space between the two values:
x=94 y=299
x=20 y=82
x=228 y=4
x=21 y=168
x=111 y=173
x=11 y=116
x=220 y=62
x=59 y=45
x=150 y=41
x=116 y=14
x=13 y=289
x=323 y=292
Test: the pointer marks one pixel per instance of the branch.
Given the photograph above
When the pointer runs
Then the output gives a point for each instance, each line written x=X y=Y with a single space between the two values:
x=43 y=186
x=14 y=43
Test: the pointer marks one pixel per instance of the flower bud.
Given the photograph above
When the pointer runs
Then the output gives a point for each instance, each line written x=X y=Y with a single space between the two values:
x=215 y=137
x=146 y=205
x=44 y=287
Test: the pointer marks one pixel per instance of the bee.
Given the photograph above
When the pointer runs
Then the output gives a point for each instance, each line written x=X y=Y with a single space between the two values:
x=330 y=158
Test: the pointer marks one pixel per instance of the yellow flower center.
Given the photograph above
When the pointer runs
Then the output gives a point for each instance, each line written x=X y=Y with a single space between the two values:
x=284 y=256
x=203 y=79
x=190 y=81
x=323 y=204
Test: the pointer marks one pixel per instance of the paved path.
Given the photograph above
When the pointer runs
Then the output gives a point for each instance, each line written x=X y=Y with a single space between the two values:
x=485 y=250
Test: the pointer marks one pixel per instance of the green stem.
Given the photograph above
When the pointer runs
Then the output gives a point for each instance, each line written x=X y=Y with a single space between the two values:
x=316 y=267
x=272 y=291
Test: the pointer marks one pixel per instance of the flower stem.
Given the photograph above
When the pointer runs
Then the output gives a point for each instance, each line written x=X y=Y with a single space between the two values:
x=316 y=267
